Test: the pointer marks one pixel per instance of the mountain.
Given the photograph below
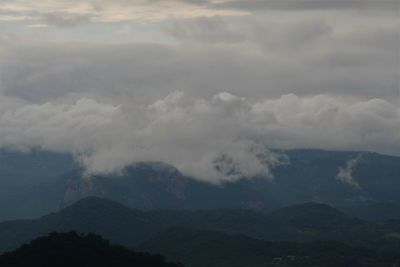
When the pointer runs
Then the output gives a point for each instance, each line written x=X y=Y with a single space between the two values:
x=129 y=227
x=71 y=249
x=119 y=223
x=199 y=248
x=311 y=175
x=92 y=215
x=36 y=183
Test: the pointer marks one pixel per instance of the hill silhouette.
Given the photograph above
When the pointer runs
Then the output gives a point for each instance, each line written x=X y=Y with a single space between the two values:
x=71 y=249
x=128 y=227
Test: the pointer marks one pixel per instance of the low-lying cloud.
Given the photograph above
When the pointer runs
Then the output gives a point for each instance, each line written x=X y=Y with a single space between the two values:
x=346 y=173
x=217 y=139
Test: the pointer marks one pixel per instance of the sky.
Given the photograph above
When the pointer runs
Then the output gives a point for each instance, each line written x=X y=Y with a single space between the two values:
x=212 y=87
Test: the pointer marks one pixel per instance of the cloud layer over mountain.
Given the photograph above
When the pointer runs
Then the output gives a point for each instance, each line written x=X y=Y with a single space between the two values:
x=216 y=139
x=203 y=85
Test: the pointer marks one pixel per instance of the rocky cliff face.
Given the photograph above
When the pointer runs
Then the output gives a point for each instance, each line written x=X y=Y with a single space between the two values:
x=141 y=186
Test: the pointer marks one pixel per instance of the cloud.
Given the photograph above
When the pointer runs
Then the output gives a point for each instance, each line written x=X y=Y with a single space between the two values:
x=71 y=13
x=206 y=30
x=63 y=20
x=217 y=139
x=345 y=174
x=207 y=94
x=57 y=18
x=66 y=13
x=53 y=127
x=303 y=56
x=267 y=35
x=309 y=4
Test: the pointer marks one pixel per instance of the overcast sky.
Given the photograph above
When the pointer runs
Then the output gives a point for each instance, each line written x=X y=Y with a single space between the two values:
x=204 y=85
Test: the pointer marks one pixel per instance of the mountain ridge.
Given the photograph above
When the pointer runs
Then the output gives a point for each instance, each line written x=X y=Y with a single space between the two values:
x=130 y=227
x=38 y=183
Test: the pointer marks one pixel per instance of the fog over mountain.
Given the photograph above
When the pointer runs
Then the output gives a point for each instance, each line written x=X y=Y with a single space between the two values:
x=206 y=86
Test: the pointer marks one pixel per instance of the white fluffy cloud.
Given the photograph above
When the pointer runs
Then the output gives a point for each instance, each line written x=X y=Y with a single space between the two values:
x=54 y=127
x=218 y=139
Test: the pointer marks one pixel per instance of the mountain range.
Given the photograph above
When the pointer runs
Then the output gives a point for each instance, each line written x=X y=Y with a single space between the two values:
x=362 y=184
x=131 y=227
x=311 y=232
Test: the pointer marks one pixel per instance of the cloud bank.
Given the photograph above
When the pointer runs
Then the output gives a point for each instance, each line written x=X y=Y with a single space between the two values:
x=222 y=138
